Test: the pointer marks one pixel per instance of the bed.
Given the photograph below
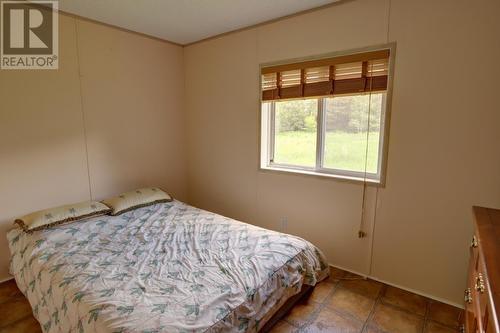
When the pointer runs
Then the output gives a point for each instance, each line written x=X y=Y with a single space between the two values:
x=168 y=267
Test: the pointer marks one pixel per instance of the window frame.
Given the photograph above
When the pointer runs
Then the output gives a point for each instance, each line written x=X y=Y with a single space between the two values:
x=267 y=130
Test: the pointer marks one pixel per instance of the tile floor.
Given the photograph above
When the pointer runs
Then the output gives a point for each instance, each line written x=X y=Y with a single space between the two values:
x=348 y=303
x=343 y=303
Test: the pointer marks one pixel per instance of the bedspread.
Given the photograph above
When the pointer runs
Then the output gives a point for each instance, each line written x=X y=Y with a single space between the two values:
x=168 y=267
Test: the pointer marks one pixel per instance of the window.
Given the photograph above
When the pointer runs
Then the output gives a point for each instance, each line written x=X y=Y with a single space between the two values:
x=327 y=116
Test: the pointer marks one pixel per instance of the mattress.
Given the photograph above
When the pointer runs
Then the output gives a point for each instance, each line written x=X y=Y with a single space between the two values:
x=168 y=267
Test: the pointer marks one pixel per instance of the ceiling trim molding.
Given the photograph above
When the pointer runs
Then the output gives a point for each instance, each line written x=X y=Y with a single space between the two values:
x=281 y=18
x=79 y=17
x=302 y=12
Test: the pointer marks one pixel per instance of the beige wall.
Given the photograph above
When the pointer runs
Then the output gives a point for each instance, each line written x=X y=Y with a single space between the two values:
x=443 y=149
x=132 y=123
x=444 y=153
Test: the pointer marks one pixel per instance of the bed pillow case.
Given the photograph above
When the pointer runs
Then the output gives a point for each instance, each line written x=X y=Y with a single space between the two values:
x=47 y=218
x=135 y=199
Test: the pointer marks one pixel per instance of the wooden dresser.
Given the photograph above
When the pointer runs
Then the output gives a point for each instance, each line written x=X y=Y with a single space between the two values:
x=482 y=296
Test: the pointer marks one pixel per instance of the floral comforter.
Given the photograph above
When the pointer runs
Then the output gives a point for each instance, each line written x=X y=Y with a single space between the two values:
x=164 y=268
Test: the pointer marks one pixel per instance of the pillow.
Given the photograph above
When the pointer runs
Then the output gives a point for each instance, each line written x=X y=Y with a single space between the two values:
x=46 y=218
x=135 y=199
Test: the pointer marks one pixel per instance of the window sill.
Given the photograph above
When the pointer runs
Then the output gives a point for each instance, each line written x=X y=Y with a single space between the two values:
x=352 y=179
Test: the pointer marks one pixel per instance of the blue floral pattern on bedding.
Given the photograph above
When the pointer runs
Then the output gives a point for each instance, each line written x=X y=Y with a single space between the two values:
x=168 y=267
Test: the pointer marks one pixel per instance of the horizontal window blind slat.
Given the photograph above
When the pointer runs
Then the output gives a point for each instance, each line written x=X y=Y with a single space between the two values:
x=269 y=95
x=269 y=81
x=318 y=89
x=378 y=67
x=356 y=73
x=290 y=78
x=357 y=57
x=291 y=92
x=317 y=74
x=348 y=71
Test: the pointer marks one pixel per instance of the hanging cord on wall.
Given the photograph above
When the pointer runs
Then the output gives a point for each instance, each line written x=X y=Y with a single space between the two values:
x=361 y=232
x=372 y=236
x=361 y=227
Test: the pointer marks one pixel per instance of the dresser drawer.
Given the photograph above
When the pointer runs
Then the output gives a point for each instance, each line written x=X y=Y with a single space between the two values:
x=482 y=292
x=470 y=295
x=483 y=280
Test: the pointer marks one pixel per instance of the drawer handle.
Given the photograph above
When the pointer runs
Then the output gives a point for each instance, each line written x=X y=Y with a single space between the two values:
x=480 y=283
x=473 y=243
x=468 y=296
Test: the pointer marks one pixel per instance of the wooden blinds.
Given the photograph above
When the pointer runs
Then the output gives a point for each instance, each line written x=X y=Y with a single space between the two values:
x=356 y=73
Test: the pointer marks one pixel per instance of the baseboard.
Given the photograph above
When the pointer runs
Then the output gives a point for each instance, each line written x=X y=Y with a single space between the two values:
x=460 y=306
x=6 y=279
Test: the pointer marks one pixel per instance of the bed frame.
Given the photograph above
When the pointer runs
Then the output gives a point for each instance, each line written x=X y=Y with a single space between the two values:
x=289 y=304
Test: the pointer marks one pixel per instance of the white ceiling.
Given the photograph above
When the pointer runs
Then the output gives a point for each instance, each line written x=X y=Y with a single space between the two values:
x=186 y=21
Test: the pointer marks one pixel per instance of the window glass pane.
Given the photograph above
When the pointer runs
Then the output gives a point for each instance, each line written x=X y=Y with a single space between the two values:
x=295 y=132
x=347 y=135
